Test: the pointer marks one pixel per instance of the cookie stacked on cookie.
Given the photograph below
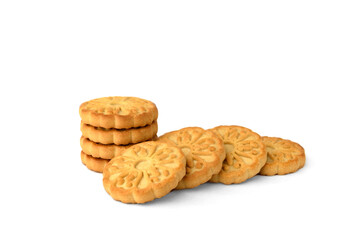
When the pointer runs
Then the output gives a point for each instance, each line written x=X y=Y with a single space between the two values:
x=110 y=125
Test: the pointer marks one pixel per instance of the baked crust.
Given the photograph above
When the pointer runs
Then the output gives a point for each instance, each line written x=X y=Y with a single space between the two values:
x=119 y=136
x=92 y=163
x=283 y=156
x=144 y=172
x=245 y=154
x=204 y=153
x=118 y=112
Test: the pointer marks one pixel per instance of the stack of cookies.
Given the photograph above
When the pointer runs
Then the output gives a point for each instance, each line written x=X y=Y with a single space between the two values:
x=110 y=125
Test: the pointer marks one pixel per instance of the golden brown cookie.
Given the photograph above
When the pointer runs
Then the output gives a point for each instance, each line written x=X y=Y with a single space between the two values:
x=283 y=156
x=204 y=153
x=144 y=172
x=118 y=112
x=119 y=136
x=92 y=163
x=98 y=150
x=245 y=154
x=105 y=151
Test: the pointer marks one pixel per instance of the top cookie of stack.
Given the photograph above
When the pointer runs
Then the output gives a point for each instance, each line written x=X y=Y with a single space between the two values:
x=110 y=124
x=118 y=112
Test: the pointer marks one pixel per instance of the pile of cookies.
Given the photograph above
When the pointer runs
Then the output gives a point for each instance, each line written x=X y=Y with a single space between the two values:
x=112 y=124
x=144 y=170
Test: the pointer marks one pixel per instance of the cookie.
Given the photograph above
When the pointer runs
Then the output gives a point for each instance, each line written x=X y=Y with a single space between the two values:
x=105 y=151
x=119 y=136
x=283 y=156
x=118 y=112
x=144 y=172
x=245 y=154
x=204 y=153
x=98 y=150
x=92 y=163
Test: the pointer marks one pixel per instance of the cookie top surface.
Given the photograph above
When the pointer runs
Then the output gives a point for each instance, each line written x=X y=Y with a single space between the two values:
x=204 y=153
x=118 y=105
x=282 y=150
x=144 y=171
x=283 y=156
x=118 y=112
x=245 y=154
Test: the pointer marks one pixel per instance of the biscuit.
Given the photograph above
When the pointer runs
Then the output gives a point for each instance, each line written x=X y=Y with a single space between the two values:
x=144 y=172
x=204 y=153
x=245 y=154
x=92 y=163
x=105 y=151
x=283 y=156
x=119 y=136
x=98 y=150
x=118 y=112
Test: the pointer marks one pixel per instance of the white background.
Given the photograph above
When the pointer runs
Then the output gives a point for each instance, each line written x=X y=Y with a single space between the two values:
x=281 y=68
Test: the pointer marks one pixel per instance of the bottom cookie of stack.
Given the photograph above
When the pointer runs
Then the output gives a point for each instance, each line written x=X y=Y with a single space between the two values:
x=92 y=163
x=96 y=155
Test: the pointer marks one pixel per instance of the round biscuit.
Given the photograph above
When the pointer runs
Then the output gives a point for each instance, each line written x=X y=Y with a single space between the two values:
x=119 y=136
x=204 y=153
x=143 y=172
x=92 y=163
x=283 y=156
x=245 y=154
x=105 y=151
x=118 y=112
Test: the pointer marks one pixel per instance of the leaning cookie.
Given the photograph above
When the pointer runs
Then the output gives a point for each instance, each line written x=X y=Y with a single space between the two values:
x=118 y=112
x=284 y=156
x=144 y=172
x=245 y=154
x=204 y=153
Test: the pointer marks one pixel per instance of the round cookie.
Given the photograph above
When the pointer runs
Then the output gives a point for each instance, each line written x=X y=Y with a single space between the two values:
x=204 y=153
x=144 y=172
x=119 y=136
x=245 y=154
x=283 y=156
x=92 y=163
x=118 y=112
x=105 y=151
x=98 y=150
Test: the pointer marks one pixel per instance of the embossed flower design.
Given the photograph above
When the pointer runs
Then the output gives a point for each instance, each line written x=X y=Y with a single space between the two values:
x=139 y=166
x=241 y=147
x=196 y=145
